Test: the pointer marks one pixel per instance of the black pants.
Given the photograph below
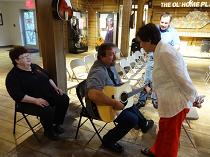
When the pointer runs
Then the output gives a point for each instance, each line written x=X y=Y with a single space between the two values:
x=49 y=115
x=128 y=119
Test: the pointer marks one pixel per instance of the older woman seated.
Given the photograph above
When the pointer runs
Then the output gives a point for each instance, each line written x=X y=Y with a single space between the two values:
x=36 y=93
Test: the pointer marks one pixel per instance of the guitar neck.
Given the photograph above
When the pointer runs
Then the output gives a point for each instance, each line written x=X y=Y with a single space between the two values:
x=135 y=91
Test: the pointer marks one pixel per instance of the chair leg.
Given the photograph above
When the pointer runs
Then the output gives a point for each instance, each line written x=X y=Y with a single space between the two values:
x=30 y=127
x=14 y=124
x=188 y=123
x=96 y=130
x=188 y=136
x=80 y=118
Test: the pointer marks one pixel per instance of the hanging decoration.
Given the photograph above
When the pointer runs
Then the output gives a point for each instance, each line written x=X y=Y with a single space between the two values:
x=62 y=9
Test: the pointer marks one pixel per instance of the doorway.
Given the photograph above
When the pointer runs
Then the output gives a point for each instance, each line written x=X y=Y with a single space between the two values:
x=28 y=19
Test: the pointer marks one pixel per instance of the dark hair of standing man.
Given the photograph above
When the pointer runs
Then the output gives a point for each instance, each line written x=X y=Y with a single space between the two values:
x=149 y=33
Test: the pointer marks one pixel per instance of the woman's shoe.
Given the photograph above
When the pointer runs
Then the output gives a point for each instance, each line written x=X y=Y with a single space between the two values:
x=147 y=152
x=140 y=104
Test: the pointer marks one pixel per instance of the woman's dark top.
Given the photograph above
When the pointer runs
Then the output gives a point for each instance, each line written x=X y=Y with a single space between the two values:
x=33 y=83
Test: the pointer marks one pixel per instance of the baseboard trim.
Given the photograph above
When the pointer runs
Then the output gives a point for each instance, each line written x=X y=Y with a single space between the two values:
x=6 y=46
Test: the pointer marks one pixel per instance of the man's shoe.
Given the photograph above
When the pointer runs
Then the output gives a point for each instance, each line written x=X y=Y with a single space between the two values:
x=50 y=134
x=116 y=147
x=147 y=152
x=148 y=126
x=58 y=129
x=140 y=104
x=155 y=103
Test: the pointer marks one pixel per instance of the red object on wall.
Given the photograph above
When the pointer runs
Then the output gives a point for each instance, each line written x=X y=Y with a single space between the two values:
x=30 y=4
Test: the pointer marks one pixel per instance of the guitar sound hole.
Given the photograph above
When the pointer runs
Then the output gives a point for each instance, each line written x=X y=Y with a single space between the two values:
x=124 y=98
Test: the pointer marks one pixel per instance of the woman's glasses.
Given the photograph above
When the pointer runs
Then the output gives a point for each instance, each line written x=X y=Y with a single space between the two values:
x=25 y=55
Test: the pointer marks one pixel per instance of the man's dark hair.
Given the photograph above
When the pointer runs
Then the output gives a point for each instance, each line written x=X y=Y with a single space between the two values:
x=16 y=52
x=166 y=14
x=103 y=48
x=149 y=33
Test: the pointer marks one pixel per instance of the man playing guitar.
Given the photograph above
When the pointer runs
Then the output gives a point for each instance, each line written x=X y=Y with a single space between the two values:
x=103 y=73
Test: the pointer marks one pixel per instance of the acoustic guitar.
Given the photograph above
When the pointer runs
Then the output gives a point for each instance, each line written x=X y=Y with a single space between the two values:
x=62 y=9
x=123 y=93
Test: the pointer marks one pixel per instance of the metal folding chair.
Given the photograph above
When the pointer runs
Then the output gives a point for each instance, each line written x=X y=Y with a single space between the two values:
x=25 y=116
x=89 y=60
x=80 y=90
x=79 y=69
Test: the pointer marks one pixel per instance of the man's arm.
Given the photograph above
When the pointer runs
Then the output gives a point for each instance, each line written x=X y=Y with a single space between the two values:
x=98 y=97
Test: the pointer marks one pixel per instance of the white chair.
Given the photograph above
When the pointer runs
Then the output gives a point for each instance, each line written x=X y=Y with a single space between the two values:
x=136 y=66
x=95 y=55
x=70 y=83
x=131 y=60
x=79 y=70
x=134 y=79
x=89 y=60
x=126 y=66
x=191 y=115
x=121 y=71
x=139 y=57
x=130 y=73
x=207 y=76
x=118 y=53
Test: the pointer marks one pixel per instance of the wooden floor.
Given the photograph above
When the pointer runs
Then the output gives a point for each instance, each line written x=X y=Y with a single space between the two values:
x=23 y=144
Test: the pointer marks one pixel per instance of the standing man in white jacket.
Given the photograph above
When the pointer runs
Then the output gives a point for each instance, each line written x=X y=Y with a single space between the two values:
x=174 y=89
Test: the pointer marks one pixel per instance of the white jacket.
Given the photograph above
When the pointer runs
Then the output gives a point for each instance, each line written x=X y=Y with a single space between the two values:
x=171 y=81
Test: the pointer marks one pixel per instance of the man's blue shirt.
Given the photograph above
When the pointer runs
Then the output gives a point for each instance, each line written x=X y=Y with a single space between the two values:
x=170 y=36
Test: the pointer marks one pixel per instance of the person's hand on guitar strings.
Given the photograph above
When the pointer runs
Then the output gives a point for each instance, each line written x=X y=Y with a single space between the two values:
x=118 y=105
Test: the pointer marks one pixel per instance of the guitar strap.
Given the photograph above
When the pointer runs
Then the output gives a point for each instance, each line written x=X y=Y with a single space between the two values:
x=111 y=75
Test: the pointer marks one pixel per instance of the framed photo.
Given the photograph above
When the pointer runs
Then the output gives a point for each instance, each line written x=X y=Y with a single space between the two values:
x=78 y=32
x=107 y=26
x=1 y=19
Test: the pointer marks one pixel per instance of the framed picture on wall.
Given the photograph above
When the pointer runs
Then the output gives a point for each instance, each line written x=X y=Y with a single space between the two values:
x=78 y=32
x=1 y=19
x=107 y=24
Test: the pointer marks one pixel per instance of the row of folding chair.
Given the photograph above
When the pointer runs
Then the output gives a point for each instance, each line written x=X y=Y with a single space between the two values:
x=132 y=66
x=207 y=76
x=80 y=67
x=131 y=69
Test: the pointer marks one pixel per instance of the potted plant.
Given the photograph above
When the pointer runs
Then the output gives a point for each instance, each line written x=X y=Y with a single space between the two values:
x=99 y=41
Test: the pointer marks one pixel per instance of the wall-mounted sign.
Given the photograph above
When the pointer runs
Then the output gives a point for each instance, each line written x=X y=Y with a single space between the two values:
x=30 y=4
x=187 y=4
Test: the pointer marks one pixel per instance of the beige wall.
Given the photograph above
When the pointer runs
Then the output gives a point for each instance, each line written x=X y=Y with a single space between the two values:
x=10 y=34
